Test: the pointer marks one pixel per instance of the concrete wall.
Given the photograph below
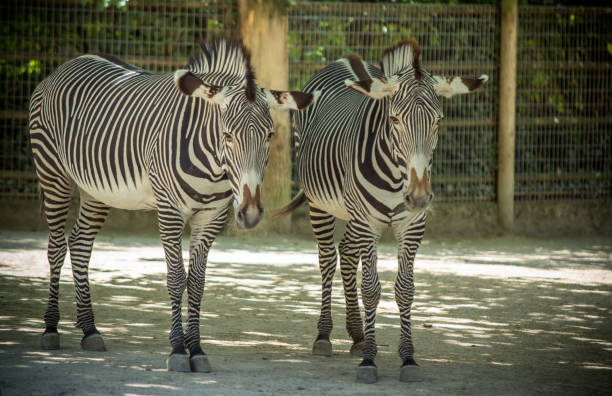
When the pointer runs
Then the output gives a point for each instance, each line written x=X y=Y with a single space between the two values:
x=479 y=219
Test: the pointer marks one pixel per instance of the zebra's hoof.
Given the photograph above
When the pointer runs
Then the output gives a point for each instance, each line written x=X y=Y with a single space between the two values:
x=322 y=347
x=93 y=342
x=410 y=373
x=366 y=374
x=50 y=341
x=357 y=349
x=199 y=364
x=178 y=362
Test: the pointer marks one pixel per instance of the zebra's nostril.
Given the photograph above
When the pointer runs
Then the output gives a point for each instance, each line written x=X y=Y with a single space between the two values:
x=240 y=214
x=418 y=201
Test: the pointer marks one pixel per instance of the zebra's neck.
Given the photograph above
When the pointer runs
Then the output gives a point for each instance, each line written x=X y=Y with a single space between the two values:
x=193 y=157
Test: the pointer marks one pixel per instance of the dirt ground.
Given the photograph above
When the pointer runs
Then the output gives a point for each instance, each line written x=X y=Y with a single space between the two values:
x=503 y=315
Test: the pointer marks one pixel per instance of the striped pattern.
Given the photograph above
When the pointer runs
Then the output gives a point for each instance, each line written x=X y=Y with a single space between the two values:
x=135 y=140
x=358 y=154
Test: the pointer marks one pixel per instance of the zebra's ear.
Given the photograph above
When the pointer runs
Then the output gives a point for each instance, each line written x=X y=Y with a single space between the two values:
x=289 y=100
x=376 y=88
x=191 y=85
x=450 y=86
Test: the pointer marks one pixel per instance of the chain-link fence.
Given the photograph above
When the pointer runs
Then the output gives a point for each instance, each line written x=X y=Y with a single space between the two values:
x=564 y=133
x=564 y=103
x=564 y=127
x=37 y=36
x=454 y=40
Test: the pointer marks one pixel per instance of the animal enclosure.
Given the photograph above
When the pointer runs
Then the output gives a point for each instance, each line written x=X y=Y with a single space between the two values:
x=526 y=315
x=563 y=126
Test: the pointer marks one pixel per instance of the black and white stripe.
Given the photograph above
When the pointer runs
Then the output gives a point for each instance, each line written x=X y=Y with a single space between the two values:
x=186 y=143
x=364 y=154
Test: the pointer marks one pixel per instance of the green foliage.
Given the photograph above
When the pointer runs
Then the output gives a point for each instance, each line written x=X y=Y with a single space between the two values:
x=561 y=70
x=36 y=36
x=102 y=4
x=558 y=92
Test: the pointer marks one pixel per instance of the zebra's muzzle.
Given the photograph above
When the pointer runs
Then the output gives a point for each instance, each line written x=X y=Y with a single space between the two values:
x=250 y=211
x=418 y=195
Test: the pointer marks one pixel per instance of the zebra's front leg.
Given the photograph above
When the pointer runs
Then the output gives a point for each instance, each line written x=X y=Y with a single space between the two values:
x=364 y=239
x=323 y=228
x=349 y=262
x=171 y=224
x=92 y=215
x=409 y=239
x=203 y=233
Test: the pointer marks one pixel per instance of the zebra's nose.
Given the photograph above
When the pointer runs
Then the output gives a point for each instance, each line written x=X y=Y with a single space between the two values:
x=419 y=201
x=419 y=194
x=250 y=211
x=249 y=216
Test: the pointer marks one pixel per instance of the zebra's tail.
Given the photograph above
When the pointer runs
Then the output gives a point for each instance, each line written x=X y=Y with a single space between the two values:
x=299 y=199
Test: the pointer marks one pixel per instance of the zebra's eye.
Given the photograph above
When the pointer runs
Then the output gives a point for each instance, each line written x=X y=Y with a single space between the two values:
x=270 y=134
x=395 y=120
x=228 y=138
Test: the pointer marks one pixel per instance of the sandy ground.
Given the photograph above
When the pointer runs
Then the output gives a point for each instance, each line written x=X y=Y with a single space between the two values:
x=505 y=315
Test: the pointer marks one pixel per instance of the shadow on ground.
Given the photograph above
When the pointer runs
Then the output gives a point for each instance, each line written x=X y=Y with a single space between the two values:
x=478 y=329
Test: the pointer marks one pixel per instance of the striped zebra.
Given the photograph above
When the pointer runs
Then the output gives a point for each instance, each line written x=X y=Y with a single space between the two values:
x=364 y=155
x=186 y=143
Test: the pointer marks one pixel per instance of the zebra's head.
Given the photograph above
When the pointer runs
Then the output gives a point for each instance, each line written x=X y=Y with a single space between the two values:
x=413 y=114
x=222 y=75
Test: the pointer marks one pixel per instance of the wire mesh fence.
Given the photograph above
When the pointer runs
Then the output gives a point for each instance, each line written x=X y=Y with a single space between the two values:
x=564 y=96
x=564 y=127
x=37 y=36
x=564 y=130
x=454 y=41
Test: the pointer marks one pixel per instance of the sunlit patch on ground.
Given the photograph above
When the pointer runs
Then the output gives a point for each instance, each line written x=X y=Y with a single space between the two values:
x=492 y=316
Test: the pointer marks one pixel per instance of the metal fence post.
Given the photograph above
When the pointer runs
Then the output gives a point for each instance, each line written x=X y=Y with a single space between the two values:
x=507 y=112
x=264 y=29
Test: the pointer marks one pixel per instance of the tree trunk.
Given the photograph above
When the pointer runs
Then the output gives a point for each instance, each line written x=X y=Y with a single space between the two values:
x=507 y=113
x=264 y=30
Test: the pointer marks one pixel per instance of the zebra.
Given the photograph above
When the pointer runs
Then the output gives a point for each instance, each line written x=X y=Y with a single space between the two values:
x=186 y=144
x=364 y=153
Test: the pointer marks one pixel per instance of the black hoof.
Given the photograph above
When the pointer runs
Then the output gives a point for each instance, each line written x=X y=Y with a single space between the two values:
x=178 y=362
x=322 y=347
x=410 y=371
x=367 y=374
x=50 y=341
x=200 y=364
x=93 y=342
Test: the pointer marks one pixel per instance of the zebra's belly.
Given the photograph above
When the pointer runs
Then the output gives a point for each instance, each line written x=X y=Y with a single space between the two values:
x=132 y=197
x=336 y=209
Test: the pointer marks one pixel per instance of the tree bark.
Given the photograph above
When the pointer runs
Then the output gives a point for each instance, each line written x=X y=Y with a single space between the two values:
x=507 y=113
x=264 y=30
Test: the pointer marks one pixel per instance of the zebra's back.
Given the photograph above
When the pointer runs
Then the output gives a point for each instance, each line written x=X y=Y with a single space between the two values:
x=331 y=132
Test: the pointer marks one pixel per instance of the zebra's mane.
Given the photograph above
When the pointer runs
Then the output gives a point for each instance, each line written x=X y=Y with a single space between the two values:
x=402 y=57
x=224 y=61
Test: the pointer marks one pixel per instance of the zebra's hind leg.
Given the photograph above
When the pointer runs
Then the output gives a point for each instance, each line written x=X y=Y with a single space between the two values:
x=171 y=224
x=56 y=193
x=409 y=238
x=92 y=215
x=349 y=262
x=203 y=233
x=323 y=228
